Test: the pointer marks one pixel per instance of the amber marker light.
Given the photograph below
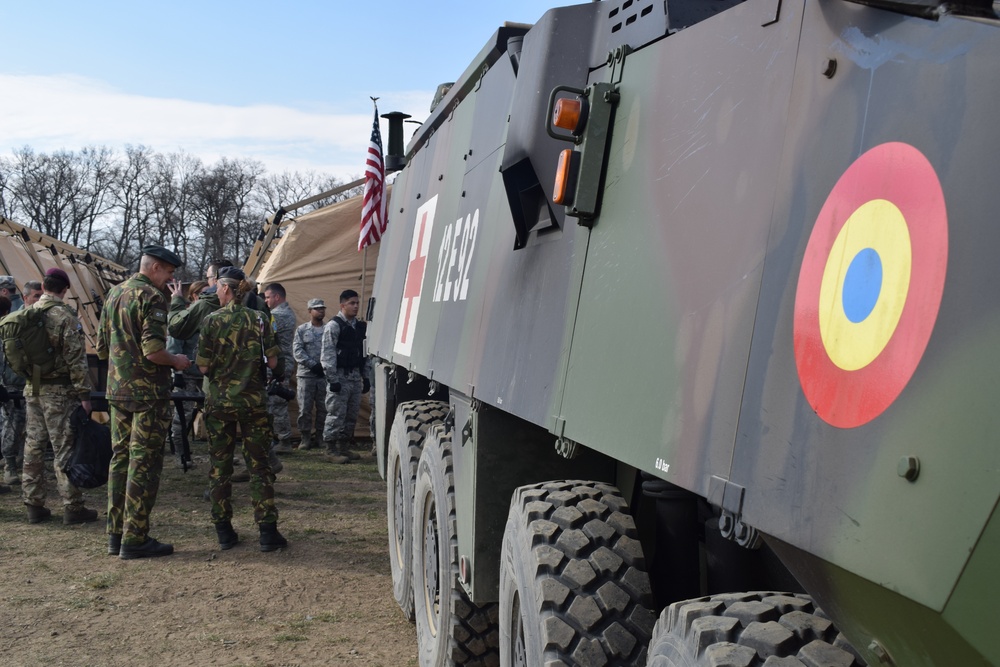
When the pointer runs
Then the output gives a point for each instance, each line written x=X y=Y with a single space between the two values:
x=564 y=176
x=566 y=114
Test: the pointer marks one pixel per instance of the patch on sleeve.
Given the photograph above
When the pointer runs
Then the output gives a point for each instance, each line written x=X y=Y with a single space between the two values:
x=159 y=315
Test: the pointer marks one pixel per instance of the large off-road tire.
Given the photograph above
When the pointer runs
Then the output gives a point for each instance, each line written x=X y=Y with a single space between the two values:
x=573 y=583
x=406 y=440
x=748 y=630
x=451 y=630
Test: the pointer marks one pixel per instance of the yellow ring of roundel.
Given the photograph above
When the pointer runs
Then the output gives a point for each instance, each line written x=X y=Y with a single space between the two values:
x=877 y=224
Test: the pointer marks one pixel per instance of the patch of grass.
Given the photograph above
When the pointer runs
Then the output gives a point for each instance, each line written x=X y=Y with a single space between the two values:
x=101 y=581
x=290 y=638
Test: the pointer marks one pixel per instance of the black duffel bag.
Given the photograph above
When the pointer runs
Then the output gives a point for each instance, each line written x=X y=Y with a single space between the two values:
x=87 y=468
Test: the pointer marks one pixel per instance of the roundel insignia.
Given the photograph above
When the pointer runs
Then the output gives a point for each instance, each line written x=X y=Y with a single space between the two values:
x=870 y=285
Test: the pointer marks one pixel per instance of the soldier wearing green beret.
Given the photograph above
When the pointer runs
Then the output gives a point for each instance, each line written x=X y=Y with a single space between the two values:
x=235 y=345
x=132 y=336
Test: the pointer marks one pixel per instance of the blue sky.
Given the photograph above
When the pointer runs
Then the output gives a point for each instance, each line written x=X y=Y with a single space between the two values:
x=286 y=83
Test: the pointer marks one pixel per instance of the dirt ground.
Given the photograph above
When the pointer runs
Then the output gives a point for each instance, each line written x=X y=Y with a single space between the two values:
x=327 y=599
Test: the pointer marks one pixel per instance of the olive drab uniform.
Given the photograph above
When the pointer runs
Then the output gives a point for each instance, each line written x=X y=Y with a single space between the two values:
x=344 y=363
x=133 y=325
x=307 y=347
x=283 y=323
x=48 y=413
x=233 y=342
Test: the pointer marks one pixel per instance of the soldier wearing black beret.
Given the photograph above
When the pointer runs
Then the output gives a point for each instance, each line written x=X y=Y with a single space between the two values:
x=133 y=338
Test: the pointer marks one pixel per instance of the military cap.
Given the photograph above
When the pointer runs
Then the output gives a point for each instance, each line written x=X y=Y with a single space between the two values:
x=315 y=303
x=232 y=273
x=159 y=252
x=8 y=282
x=58 y=273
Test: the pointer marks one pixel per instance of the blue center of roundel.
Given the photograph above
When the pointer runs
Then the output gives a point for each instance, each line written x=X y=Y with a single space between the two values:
x=862 y=285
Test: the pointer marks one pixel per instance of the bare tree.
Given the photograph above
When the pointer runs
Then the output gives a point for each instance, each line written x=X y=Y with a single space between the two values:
x=98 y=170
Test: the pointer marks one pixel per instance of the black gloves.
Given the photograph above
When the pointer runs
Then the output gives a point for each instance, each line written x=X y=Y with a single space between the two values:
x=334 y=387
x=365 y=385
x=317 y=370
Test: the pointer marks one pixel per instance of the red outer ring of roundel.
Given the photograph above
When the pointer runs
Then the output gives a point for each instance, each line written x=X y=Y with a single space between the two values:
x=898 y=173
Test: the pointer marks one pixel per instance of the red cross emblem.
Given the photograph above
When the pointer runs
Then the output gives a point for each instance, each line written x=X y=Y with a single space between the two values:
x=410 y=304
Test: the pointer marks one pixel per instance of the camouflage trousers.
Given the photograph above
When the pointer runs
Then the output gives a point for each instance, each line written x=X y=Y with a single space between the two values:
x=342 y=407
x=311 y=397
x=48 y=421
x=281 y=422
x=225 y=430
x=138 y=431
x=14 y=416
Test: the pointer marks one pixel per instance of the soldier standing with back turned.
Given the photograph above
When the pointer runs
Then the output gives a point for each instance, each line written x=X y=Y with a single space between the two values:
x=234 y=342
x=50 y=404
x=133 y=337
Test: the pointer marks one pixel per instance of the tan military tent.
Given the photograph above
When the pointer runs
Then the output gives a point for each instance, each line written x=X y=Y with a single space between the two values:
x=315 y=255
x=26 y=254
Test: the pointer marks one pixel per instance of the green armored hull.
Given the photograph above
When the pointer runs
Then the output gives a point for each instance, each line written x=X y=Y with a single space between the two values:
x=752 y=317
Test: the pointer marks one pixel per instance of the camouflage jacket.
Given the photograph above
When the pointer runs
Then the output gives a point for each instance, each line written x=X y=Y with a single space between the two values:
x=233 y=342
x=186 y=322
x=133 y=325
x=307 y=348
x=283 y=321
x=66 y=338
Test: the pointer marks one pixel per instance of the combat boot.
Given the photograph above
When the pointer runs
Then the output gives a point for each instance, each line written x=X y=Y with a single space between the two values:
x=38 y=513
x=281 y=447
x=10 y=471
x=334 y=454
x=270 y=538
x=305 y=443
x=73 y=515
x=114 y=544
x=227 y=536
x=148 y=549
x=4 y=489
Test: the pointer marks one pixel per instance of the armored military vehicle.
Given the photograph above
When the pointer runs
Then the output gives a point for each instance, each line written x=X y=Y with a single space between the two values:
x=685 y=349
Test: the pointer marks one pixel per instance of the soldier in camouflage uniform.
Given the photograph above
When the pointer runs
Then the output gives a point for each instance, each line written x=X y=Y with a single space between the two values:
x=132 y=336
x=11 y=382
x=186 y=323
x=283 y=322
x=346 y=372
x=50 y=404
x=307 y=348
x=12 y=415
x=233 y=345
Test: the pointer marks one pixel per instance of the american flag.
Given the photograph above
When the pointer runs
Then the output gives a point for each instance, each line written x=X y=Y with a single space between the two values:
x=373 y=215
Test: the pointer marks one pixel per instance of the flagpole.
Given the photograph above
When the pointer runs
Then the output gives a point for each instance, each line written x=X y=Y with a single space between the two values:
x=364 y=275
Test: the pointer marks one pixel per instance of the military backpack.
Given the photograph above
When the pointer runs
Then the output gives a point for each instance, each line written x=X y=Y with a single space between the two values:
x=26 y=345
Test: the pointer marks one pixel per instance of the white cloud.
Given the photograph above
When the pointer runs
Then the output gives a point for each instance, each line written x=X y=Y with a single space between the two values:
x=51 y=113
